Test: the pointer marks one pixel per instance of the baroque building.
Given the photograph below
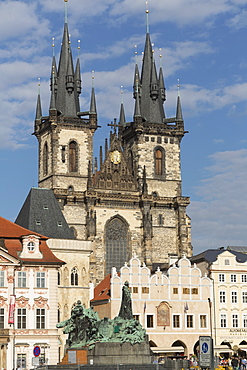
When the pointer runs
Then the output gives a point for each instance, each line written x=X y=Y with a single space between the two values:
x=132 y=202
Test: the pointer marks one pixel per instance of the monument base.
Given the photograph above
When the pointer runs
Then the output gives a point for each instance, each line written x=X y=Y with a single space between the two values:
x=119 y=353
x=75 y=357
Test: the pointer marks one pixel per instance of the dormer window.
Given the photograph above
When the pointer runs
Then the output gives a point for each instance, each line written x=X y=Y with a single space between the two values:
x=30 y=246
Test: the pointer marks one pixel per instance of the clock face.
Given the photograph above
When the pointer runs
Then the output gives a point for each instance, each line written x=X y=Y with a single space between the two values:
x=115 y=157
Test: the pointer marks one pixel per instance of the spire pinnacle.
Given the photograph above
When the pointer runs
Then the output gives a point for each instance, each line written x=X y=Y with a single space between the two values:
x=178 y=86
x=147 y=17
x=53 y=46
x=65 y=11
x=79 y=48
x=93 y=100
x=38 y=106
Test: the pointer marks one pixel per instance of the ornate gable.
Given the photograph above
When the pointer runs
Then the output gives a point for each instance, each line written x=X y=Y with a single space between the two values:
x=115 y=173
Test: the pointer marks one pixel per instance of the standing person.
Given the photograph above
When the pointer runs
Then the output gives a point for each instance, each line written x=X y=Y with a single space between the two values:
x=234 y=363
x=244 y=363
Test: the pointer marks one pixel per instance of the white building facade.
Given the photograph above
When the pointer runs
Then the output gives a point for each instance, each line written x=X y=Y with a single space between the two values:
x=172 y=306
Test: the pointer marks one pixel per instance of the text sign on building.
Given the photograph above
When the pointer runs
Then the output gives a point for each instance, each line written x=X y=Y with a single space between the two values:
x=205 y=344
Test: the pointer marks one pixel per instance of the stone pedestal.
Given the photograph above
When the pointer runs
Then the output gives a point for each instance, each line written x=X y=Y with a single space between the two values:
x=75 y=357
x=117 y=353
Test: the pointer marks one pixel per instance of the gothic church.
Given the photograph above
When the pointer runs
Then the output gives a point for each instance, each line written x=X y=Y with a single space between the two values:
x=132 y=203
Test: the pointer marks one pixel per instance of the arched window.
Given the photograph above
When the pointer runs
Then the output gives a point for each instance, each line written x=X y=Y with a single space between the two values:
x=74 y=276
x=158 y=162
x=73 y=149
x=58 y=278
x=45 y=160
x=117 y=240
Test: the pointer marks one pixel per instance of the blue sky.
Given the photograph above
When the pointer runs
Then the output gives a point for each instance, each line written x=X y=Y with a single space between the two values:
x=203 y=44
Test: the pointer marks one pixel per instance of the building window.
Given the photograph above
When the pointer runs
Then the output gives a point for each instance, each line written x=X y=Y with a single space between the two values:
x=117 y=243
x=1 y=318
x=160 y=220
x=74 y=276
x=45 y=160
x=186 y=290
x=223 y=320
x=245 y=321
x=40 y=279
x=136 y=317
x=58 y=315
x=235 y=321
x=31 y=246
x=21 y=279
x=244 y=278
x=2 y=279
x=189 y=321
x=145 y=290
x=221 y=278
x=135 y=289
x=234 y=297
x=150 y=321
x=244 y=296
x=175 y=290
x=158 y=162
x=176 y=321
x=40 y=318
x=21 y=361
x=73 y=156
x=194 y=290
x=58 y=278
x=233 y=278
x=21 y=318
x=203 y=321
x=222 y=297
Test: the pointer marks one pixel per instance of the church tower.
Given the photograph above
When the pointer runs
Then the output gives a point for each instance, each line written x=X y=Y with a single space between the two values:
x=131 y=203
x=65 y=137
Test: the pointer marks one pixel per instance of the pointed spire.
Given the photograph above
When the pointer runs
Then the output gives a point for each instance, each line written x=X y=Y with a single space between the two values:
x=93 y=99
x=38 y=106
x=122 y=120
x=151 y=103
x=136 y=85
x=161 y=81
x=154 y=89
x=106 y=147
x=67 y=98
x=179 y=115
x=100 y=157
x=78 y=72
x=53 y=68
x=53 y=97
x=95 y=165
x=89 y=180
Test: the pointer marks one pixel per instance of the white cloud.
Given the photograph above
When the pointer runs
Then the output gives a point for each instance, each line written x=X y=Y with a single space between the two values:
x=219 y=218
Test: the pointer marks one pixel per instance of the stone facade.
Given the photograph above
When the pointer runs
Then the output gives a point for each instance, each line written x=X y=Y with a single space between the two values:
x=135 y=193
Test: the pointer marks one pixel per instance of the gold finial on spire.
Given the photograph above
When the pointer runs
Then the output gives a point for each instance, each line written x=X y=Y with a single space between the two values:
x=160 y=57
x=121 y=92
x=153 y=48
x=53 y=46
x=178 y=86
x=147 y=20
x=38 y=81
x=136 y=53
x=69 y=38
x=79 y=47
x=92 y=78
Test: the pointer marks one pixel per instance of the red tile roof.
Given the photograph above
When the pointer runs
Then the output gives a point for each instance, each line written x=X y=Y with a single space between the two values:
x=102 y=290
x=12 y=234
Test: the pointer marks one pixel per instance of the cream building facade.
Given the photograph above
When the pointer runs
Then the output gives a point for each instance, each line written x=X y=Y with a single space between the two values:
x=228 y=271
x=172 y=306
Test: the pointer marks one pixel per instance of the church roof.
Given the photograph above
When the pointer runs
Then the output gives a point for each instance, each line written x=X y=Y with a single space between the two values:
x=41 y=214
x=11 y=237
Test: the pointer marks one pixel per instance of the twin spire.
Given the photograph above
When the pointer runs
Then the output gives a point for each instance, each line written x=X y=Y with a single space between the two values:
x=65 y=82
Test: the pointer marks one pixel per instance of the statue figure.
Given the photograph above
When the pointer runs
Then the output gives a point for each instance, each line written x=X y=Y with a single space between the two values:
x=126 y=306
x=85 y=329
